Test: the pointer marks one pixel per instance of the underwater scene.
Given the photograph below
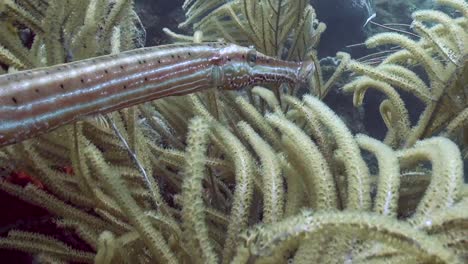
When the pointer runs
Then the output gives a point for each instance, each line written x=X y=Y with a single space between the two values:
x=234 y=131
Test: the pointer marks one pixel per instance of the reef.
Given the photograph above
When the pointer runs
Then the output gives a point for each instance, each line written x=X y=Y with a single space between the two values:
x=263 y=175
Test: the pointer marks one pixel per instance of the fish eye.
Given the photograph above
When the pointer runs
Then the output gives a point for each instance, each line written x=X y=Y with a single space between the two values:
x=252 y=57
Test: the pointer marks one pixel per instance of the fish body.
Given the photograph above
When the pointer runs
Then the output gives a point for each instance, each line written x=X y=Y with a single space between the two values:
x=37 y=101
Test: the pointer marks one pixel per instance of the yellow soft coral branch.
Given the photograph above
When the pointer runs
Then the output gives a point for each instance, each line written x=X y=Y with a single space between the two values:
x=193 y=215
x=316 y=173
x=393 y=78
x=399 y=120
x=432 y=67
x=49 y=246
x=263 y=240
x=9 y=58
x=152 y=238
x=386 y=201
x=10 y=8
x=271 y=173
x=356 y=168
x=447 y=178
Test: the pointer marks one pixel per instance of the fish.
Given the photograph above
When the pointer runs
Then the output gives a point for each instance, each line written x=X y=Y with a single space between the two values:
x=37 y=101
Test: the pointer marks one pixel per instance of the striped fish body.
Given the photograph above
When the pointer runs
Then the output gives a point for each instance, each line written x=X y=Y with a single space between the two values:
x=37 y=101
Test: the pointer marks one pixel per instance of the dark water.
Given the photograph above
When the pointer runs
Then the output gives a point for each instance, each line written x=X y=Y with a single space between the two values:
x=346 y=21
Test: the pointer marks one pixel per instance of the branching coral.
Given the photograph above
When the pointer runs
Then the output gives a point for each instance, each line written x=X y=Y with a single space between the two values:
x=264 y=177
x=188 y=220
x=441 y=54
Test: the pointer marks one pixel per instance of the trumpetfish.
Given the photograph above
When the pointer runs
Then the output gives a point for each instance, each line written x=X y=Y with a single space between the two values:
x=33 y=102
